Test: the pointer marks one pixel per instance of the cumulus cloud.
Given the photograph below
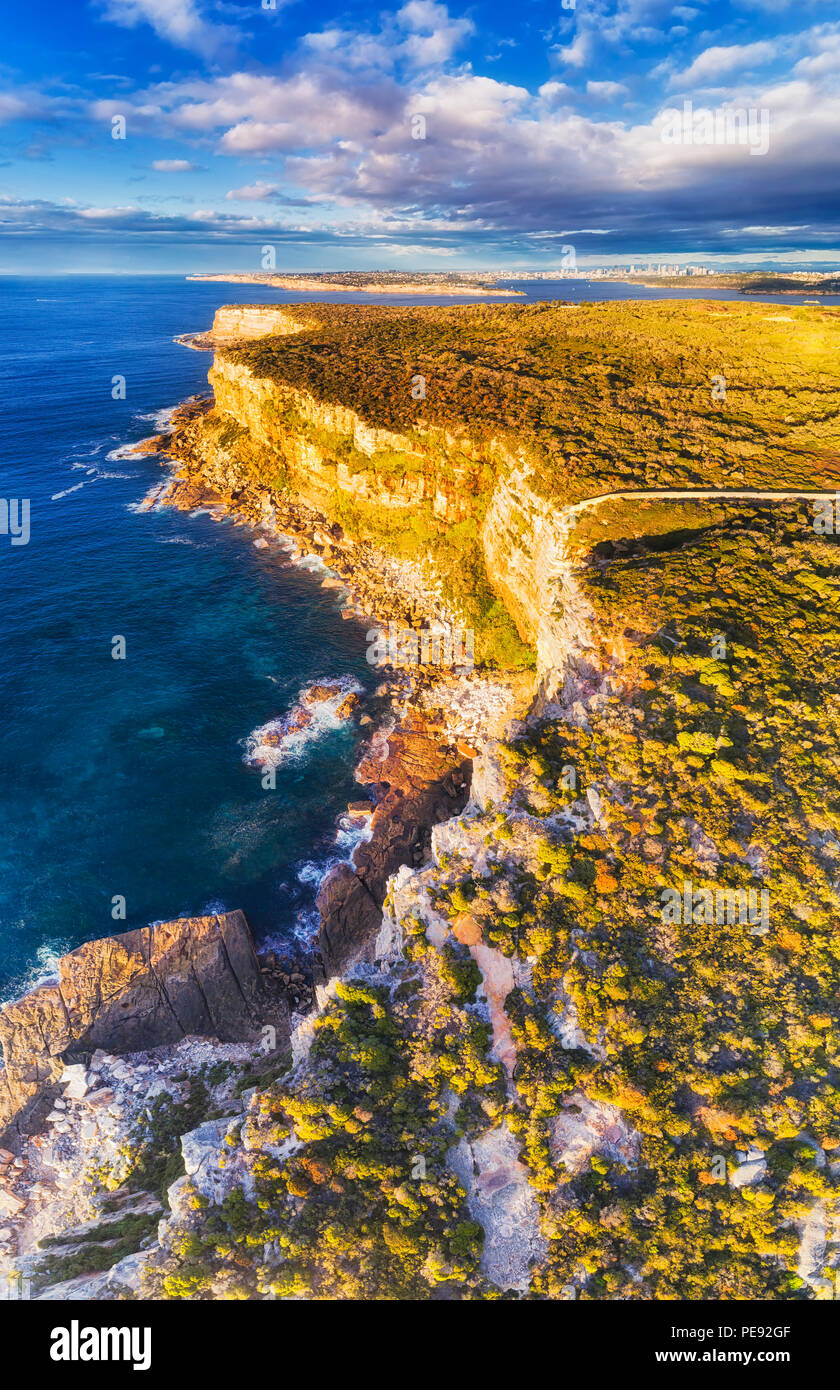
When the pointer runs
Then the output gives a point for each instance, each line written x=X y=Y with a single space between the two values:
x=420 y=35
x=174 y=166
x=432 y=36
x=715 y=63
x=179 y=22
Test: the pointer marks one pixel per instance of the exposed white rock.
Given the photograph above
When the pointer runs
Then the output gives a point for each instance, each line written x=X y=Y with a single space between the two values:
x=586 y=1128
x=75 y=1081
x=752 y=1166
x=388 y=947
x=488 y=779
x=502 y=1200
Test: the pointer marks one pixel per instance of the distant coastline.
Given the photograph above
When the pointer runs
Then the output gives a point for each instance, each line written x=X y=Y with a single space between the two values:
x=373 y=282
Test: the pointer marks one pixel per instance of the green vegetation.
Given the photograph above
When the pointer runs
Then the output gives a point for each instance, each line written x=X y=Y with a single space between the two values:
x=717 y=761
x=102 y=1248
x=153 y=1157
x=598 y=396
x=359 y=1202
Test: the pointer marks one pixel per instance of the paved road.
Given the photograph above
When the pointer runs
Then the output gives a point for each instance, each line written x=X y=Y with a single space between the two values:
x=692 y=494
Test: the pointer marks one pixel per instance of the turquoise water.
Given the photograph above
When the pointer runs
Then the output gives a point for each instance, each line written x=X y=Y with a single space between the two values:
x=126 y=778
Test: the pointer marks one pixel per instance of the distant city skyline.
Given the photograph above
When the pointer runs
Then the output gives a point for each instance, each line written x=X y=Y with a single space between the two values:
x=178 y=135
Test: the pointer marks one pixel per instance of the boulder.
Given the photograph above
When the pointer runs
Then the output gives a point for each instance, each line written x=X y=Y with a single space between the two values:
x=347 y=706
x=315 y=694
x=103 y=1096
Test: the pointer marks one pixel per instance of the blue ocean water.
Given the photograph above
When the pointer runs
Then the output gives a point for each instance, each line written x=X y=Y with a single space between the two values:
x=126 y=778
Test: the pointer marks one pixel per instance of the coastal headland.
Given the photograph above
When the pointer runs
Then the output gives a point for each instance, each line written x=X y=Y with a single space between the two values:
x=370 y=282
x=519 y=1077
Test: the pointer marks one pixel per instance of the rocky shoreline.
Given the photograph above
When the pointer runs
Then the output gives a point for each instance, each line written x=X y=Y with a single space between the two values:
x=426 y=722
x=160 y=1011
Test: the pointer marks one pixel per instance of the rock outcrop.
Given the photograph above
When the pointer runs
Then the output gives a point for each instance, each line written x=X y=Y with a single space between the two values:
x=237 y=321
x=139 y=989
x=420 y=782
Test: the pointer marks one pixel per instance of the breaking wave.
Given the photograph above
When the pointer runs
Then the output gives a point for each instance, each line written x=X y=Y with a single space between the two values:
x=321 y=709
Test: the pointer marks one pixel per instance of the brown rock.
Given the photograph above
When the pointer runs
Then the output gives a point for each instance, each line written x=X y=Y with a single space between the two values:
x=136 y=990
x=349 y=918
x=104 y=1096
x=316 y=693
x=11 y=1204
x=421 y=782
x=298 y=719
x=347 y=706
x=155 y=444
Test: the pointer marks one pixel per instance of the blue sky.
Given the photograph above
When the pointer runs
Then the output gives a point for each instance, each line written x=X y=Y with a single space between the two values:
x=296 y=126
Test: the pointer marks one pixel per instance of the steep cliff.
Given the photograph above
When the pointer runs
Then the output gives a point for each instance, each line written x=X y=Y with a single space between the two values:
x=138 y=989
x=458 y=437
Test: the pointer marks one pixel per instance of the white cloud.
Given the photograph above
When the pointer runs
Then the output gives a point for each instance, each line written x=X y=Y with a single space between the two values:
x=719 y=61
x=552 y=92
x=173 y=166
x=579 y=52
x=252 y=193
x=826 y=59
x=11 y=108
x=421 y=35
x=106 y=214
x=418 y=249
x=177 y=21
x=606 y=90
x=433 y=34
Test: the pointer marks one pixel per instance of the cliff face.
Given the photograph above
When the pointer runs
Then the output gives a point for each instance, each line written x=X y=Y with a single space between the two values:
x=289 y=422
x=139 y=989
x=251 y=321
x=265 y=432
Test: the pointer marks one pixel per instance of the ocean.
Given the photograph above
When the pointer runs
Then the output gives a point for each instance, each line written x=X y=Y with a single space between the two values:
x=127 y=779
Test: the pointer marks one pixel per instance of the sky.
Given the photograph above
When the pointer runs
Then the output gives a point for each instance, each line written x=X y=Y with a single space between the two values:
x=178 y=135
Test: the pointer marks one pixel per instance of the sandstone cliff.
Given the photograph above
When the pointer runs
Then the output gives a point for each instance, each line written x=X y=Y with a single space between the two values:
x=265 y=436
x=138 y=989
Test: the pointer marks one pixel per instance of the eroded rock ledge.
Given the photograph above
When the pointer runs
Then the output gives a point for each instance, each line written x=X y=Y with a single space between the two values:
x=420 y=781
x=139 y=989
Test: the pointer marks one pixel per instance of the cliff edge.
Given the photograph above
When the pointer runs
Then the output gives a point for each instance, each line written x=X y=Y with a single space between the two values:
x=139 y=989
